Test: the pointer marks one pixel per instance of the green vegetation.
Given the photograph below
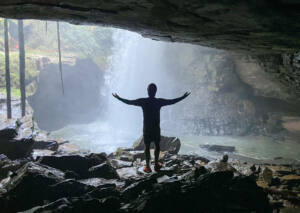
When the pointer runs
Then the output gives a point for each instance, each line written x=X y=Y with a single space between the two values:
x=76 y=42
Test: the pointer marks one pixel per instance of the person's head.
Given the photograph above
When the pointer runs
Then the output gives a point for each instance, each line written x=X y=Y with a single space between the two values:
x=152 y=88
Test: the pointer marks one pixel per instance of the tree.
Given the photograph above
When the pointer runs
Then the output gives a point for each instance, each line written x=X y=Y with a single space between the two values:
x=59 y=57
x=22 y=66
x=7 y=72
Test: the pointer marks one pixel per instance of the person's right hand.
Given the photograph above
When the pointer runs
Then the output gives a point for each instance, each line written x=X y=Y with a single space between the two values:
x=116 y=95
x=186 y=94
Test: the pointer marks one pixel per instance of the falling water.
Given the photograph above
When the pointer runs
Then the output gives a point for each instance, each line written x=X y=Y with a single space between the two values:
x=135 y=63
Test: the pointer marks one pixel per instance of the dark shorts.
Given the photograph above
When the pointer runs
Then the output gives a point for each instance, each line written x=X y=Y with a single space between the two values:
x=152 y=136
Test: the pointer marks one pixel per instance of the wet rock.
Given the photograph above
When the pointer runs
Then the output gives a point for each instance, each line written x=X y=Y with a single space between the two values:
x=61 y=205
x=103 y=183
x=79 y=205
x=218 y=192
x=135 y=189
x=8 y=166
x=101 y=157
x=267 y=175
x=127 y=155
x=8 y=133
x=218 y=148
x=122 y=154
x=290 y=180
x=103 y=170
x=103 y=192
x=29 y=187
x=15 y=149
x=51 y=145
x=219 y=166
x=137 y=154
x=76 y=163
x=129 y=173
x=68 y=188
x=170 y=144
x=118 y=164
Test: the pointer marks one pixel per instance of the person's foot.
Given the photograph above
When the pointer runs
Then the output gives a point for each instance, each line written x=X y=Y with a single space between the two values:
x=147 y=169
x=157 y=166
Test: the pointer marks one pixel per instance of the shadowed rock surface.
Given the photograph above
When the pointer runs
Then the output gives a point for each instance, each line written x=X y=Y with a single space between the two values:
x=64 y=182
x=257 y=26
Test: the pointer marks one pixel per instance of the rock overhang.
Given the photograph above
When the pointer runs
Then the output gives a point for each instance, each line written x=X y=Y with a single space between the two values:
x=245 y=26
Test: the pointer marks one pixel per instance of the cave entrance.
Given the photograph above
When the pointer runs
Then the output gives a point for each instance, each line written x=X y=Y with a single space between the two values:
x=224 y=108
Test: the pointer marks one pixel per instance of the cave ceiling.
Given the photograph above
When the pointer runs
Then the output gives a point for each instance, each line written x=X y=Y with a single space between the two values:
x=265 y=26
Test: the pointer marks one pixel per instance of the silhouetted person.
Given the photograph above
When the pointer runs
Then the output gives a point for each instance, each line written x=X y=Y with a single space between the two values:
x=151 y=111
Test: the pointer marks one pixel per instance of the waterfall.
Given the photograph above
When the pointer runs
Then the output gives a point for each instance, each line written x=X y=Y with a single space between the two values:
x=136 y=62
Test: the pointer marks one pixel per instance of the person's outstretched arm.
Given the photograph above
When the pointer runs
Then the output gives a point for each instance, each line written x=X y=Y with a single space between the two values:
x=136 y=102
x=165 y=102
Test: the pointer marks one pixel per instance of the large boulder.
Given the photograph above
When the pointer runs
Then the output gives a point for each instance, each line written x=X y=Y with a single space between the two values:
x=29 y=187
x=169 y=144
x=15 y=149
x=213 y=192
x=34 y=184
x=76 y=163
x=79 y=205
x=8 y=133
x=8 y=166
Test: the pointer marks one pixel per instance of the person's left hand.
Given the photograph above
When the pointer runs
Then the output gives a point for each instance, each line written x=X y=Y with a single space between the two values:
x=186 y=94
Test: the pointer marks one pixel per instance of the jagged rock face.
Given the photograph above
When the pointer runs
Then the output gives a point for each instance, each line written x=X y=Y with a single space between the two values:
x=258 y=26
x=271 y=75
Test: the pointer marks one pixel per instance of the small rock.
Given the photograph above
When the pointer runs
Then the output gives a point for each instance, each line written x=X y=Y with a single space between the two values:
x=118 y=164
x=218 y=148
x=267 y=175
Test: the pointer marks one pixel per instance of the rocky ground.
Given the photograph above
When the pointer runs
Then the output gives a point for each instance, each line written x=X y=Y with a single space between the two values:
x=42 y=176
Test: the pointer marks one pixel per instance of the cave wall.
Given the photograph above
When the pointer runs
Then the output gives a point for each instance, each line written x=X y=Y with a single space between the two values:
x=232 y=94
x=220 y=104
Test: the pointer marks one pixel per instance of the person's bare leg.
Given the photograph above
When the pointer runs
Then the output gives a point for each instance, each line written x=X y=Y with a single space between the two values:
x=156 y=152
x=147 y=153
x=158 y=165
